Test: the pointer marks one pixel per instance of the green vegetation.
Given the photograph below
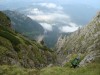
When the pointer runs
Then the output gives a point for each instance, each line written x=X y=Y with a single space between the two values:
x=92 y=69
x=73 y=56
x=15 y=48
x=2 y=50
x=4 y=28
x=31 y=57
x=10 y=37
x=6 y=43
x=15 y=70
x=4 y=20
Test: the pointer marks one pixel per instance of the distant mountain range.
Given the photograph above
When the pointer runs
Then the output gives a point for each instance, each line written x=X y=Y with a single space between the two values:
x=24 y=24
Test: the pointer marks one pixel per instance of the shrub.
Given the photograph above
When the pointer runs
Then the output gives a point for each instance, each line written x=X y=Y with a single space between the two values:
x=10 y=37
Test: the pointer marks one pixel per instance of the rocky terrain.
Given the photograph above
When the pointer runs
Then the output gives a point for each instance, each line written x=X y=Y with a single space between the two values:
x=83 y=43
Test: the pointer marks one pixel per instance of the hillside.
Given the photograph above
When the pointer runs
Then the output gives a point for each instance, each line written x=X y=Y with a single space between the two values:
x=24 y=24
x=22 y=56
x=83 y=43
x=15 y=49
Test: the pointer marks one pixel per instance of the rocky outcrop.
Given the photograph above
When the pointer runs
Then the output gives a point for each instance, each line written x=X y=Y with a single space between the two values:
x=85 y=41
x=90 y=57
x=60 y=43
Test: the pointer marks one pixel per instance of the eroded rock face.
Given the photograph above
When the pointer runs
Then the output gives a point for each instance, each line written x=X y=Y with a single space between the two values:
x=85 y=41
x=89 y=58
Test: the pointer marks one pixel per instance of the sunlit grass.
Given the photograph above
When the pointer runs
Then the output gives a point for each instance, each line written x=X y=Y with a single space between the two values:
x=15 y=70
x=92 y=69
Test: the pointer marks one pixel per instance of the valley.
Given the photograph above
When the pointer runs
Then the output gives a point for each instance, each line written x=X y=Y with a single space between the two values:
x=22 y=56
x=49 y=37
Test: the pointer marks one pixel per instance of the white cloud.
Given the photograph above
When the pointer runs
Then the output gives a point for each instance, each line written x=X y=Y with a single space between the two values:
x=51 y=5
x=49 y=17
x=57 y=17
x=35 y=11
x=73 y=27
x=40 y=38
x=46 y=26
x=47 y=20
x=44 y=18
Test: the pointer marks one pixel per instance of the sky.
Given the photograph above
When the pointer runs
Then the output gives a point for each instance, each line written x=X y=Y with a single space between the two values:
x=94 y=3
x=53 y=14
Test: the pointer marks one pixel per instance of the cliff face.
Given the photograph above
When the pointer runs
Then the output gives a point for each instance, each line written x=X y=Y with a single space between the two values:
x=15 y=49
x=84 y=43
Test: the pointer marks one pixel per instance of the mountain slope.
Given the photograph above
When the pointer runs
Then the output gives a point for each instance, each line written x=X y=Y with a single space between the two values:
x=24 y=24
x=84 y=43
x=15 y=49
x=22 y=52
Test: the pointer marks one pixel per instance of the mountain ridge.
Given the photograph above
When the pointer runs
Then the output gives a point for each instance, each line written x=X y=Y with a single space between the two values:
x=24 y=24
x=84 y=42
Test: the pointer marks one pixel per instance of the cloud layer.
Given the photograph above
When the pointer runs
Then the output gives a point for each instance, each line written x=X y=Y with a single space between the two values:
x=46 y=26
x=51 y=6
x=52 y=14
x=73 y=27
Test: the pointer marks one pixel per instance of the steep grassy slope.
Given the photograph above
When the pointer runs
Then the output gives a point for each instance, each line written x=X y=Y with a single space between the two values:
x=15 y=49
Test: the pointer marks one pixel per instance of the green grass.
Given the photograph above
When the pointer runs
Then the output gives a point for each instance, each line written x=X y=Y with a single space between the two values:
x=92 y=69
x=15 y=70
x=4 y=28
x=10 y=37
x=6 y=43
x=2 y=50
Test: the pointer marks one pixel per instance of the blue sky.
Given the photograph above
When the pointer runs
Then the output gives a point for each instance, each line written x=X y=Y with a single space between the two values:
x=93 y=3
